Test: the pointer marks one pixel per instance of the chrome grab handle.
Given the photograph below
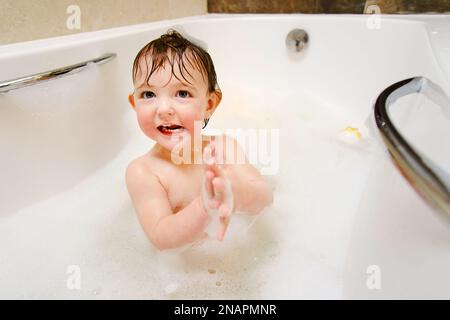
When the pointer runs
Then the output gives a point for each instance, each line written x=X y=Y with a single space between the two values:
x=428 y=179
x=21 y=82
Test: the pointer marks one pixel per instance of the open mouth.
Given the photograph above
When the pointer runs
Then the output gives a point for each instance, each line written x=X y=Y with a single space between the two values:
x=170 y=129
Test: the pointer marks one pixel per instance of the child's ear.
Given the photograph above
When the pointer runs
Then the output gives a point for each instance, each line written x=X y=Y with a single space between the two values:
x=213 y=101
x=131 y=100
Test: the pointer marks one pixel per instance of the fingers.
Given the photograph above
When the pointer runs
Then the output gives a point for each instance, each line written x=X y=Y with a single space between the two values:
x=212 y=145
x=208 y=156
x=218 y=186
x=215 y=188
x=211 y=156
x=223 y=228
x=209 y=175
x=209 y=159
x=209 y=188
x=213 y=203
x=224 y=211
x=220 y=193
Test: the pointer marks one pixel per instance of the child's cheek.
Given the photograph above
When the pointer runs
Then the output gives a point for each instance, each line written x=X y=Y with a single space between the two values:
x=190 y=121
x=145 y=120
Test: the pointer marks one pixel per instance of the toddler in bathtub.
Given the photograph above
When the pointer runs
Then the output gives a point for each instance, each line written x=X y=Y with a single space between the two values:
x=175 y=94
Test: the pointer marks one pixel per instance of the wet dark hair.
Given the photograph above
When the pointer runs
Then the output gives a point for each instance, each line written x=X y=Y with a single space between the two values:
x=172 y=47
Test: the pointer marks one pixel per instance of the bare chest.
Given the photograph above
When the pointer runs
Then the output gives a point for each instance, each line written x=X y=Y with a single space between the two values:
x=182 y=186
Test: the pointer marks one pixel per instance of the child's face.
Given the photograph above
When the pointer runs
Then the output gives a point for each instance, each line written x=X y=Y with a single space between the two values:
x=167 y=108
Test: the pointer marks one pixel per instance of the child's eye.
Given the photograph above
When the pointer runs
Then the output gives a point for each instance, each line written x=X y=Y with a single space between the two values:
x=183 y=94
x=148 y=95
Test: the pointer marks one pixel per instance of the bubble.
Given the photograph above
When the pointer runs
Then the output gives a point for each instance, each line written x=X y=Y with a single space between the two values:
x=97 y=291
x=171 y=288
x=115 y=254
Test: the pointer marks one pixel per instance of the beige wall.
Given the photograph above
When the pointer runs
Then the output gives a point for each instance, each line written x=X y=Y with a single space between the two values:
x=22 y=20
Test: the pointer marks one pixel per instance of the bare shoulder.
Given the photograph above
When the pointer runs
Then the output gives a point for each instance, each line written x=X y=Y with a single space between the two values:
x=145 y=188
x=147 y=194
x=141 y=169
x=138 y=167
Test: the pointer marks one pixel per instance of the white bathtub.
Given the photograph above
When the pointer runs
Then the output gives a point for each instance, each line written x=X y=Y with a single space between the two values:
x=339 y=209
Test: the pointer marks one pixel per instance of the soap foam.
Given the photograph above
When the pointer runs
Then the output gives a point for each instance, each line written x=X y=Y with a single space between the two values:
x=285 y=253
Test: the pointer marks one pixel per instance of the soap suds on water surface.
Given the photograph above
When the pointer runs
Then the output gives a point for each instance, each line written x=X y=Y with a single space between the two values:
x=211 y=271
x=93 y=225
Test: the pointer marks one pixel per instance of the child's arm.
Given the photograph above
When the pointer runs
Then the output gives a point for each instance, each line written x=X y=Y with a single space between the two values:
x=164 y=229
x=256 y=194
x=251 y=192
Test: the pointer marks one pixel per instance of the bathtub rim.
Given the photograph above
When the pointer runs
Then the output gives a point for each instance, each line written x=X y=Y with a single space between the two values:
x=11 y=49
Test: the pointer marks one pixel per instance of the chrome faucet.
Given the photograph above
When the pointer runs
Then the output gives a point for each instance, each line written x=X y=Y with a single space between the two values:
x=296 y=40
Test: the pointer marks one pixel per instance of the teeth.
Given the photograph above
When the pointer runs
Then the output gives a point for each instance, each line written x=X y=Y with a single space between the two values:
x=171 y=128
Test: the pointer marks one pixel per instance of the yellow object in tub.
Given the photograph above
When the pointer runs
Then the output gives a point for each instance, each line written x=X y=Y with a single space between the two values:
x=353 y=131
x=350 y=135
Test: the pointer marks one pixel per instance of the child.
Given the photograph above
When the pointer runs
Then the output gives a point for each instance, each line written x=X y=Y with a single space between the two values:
x=175 y=89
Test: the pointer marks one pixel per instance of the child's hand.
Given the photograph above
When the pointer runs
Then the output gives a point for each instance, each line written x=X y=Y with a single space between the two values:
x=218 y=194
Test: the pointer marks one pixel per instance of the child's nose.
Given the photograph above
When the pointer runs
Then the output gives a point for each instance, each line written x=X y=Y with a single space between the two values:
x=165 y=108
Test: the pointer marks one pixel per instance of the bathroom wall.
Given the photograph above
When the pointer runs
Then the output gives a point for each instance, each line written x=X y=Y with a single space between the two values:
x=22 y=20
x=327 y=6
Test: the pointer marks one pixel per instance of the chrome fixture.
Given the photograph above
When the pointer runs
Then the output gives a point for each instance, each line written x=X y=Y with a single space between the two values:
x=296 y=40
x=21 y=82
x=427 y=178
